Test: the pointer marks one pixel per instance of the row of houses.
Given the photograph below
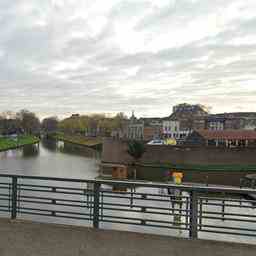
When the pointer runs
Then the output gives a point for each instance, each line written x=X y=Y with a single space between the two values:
x=222 y=138
x=184 y=120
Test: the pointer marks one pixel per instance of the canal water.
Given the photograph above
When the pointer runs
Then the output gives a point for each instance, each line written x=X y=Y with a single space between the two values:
x=53 y=159
x=56 y=159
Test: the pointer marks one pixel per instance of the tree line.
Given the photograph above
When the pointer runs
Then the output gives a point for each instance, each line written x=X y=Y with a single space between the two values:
x=22 y=122
x=27 y=122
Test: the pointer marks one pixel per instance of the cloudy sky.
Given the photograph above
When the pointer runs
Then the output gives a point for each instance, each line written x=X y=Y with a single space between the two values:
x=66 y=56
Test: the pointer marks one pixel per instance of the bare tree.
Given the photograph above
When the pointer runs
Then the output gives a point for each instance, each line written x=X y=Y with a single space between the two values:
x=29 y=121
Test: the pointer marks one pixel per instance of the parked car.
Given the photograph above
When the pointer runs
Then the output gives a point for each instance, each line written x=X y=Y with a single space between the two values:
x=156 y=142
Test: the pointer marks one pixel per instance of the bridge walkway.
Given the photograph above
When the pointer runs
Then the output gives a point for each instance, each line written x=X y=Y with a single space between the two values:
x=25 y=238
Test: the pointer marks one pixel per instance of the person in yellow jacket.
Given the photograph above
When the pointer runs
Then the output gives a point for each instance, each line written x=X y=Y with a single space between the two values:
x=177 y=177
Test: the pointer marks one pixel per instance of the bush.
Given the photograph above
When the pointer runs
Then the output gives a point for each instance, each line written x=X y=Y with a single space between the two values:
x=136 y=149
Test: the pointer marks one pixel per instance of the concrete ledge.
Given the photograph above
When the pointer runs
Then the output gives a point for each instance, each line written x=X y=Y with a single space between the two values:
x=38 y=239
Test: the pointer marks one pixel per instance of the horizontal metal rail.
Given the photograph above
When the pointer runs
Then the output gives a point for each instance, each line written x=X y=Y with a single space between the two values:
x=187 y=208
x=138 y=184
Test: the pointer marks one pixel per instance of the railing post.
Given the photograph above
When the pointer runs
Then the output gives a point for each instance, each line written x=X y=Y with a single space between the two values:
x=14 y=198
x=193 y=223
x=96 y=205
x=143 y=209
x=223 y=210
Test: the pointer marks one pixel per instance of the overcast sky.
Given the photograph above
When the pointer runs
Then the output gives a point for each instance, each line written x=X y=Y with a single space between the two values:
x=67 y=56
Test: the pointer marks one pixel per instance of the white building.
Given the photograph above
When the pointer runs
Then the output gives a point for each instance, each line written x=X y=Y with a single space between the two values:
x=135 y=131
x=171 y=129
x=216 y=125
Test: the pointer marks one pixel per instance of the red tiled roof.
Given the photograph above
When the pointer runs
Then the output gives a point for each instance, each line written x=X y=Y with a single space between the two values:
x=228 y=134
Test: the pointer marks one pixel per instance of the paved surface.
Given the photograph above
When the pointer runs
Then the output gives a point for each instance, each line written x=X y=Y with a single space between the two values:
x=35 y=239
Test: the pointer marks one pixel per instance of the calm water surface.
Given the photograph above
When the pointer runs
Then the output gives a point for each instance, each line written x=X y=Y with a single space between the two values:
x=51 y=159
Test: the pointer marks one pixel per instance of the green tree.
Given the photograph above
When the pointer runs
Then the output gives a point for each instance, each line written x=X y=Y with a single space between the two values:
x=72 y=125
x=29 y=121
x=119 y=120
x=136 y=149
x=93 y=125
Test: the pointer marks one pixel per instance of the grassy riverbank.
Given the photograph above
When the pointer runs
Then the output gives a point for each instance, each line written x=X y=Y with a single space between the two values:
x=11 y=143
x=79 y=140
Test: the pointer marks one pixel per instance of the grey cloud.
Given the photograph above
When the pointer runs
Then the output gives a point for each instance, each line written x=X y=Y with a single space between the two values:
x=202 y=70
x=180 y=11
x=125 y=10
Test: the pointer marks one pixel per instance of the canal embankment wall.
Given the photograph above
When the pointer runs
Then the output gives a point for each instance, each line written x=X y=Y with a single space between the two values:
x=116 y=151
x=214 y=165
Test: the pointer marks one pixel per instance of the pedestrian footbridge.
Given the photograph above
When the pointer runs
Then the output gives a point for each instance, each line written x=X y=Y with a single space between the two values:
x=25 y=238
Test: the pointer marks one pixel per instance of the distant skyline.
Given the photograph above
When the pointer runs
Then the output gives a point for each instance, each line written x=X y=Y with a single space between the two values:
x=59 y=57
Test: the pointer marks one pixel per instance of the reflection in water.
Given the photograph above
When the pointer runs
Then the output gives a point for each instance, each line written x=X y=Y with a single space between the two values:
x=11 y=154
x=50 y=144
x=53 y=159
x=69 y=148
x=30 y=151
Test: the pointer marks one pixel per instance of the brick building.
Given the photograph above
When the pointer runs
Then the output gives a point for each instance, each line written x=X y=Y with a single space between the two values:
x=143 y=128
x=222 y=138
x=184 y=119
x=232 y=121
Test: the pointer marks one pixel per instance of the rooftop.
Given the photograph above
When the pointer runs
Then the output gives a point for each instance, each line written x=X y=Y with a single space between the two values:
x=228 y=134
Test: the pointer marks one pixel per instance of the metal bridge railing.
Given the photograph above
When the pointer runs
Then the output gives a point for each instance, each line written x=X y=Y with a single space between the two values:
x=193 y=209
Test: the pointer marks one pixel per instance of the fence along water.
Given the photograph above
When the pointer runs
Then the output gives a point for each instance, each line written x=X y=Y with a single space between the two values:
x=193 y=211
